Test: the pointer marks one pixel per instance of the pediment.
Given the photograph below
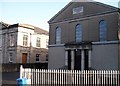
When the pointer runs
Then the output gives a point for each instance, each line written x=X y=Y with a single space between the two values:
x=75 y=10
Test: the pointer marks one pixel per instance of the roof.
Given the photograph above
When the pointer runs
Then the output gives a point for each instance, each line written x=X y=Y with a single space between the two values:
x=59 y=12
x=7 y=26
x=21 y=25
x=36 y=29
x=41 y=31
x=113 y=9
x=4 y=25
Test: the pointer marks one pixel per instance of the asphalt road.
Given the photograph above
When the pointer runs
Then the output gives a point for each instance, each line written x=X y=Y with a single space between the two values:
x=9 y=78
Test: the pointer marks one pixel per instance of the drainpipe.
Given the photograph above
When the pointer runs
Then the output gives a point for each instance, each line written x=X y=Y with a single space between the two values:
x=30 y=48
x=119 y=40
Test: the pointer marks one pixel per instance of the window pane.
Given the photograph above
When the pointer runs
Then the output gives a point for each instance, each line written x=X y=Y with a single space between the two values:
x=38 y=42
x=58 y=35
x=103 y=30
x=78 y=33
x=12 y=40
x=25 y=40
x=10 y=57
x=37 y=57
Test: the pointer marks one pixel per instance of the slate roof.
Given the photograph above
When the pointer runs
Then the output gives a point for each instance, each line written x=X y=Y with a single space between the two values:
x=36 y=29
x=41 y=31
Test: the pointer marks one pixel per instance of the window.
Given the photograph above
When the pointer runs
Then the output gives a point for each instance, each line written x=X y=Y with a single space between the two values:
x=38 y=42
x=37 y=57
x=12 y=40
x=47 y=57
x=0 y=40
x=103 y=30
x=78 y=36
x=10 y=57
x=58 y=35
x=25 y=40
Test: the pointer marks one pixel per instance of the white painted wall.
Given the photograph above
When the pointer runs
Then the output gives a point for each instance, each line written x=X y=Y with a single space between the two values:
x=21 y=32
x=43 y=39
x=104 y=57
x=32 y=37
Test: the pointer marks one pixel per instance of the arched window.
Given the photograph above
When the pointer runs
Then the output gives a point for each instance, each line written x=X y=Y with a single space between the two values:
x=58 y=35
x=103 y=30
x=78 y=32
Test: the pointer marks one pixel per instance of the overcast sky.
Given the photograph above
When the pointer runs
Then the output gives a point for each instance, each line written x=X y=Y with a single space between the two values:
x=35 y=12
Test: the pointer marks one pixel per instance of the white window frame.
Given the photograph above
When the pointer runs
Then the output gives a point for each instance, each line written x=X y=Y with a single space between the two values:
x=37 y=57
x=25 y=40
x=10 y=57
x=38 y=42
x=58 y=35
x=12 y=40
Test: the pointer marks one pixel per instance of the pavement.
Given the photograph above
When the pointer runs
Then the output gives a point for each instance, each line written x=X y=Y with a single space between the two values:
x=9 y=78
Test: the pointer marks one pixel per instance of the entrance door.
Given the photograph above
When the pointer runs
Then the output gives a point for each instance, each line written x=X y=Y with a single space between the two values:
x=86 y=59
x=77 y=63
x=69 y=60
x=24 y=58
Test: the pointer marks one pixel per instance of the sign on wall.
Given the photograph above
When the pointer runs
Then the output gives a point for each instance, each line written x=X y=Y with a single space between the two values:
x=78 y=10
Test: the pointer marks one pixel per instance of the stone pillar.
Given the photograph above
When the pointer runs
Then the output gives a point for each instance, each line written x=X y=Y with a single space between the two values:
x=72 y=59
x=66 y=58
x=89 y=59
x=82 y=60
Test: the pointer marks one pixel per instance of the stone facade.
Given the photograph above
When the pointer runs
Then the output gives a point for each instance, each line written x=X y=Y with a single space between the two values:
x=90 y=52
x=18 y=43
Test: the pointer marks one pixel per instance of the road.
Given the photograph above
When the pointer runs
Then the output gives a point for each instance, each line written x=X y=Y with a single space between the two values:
x=9 y=78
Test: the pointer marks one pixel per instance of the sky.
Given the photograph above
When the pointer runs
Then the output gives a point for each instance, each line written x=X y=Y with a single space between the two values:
x=35 y=12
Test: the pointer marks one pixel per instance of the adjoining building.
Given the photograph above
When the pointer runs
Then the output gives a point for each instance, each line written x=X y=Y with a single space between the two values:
x=23 y=43
x=83 y=36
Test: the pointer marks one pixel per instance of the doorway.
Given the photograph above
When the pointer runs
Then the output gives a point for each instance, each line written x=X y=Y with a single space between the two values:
x=86 y=54
x=69 y=59
x=24 y=58
x=80 y=56
x=77 y=63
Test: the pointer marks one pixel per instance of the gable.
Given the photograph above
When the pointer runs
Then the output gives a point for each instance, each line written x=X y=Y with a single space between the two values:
x=76 y=10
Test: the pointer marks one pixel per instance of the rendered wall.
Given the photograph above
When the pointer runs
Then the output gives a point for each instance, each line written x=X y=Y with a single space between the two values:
x=56 y=58
x=105 y=57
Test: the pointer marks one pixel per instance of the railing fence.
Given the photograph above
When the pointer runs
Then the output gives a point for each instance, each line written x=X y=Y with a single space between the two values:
x=71 y=77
